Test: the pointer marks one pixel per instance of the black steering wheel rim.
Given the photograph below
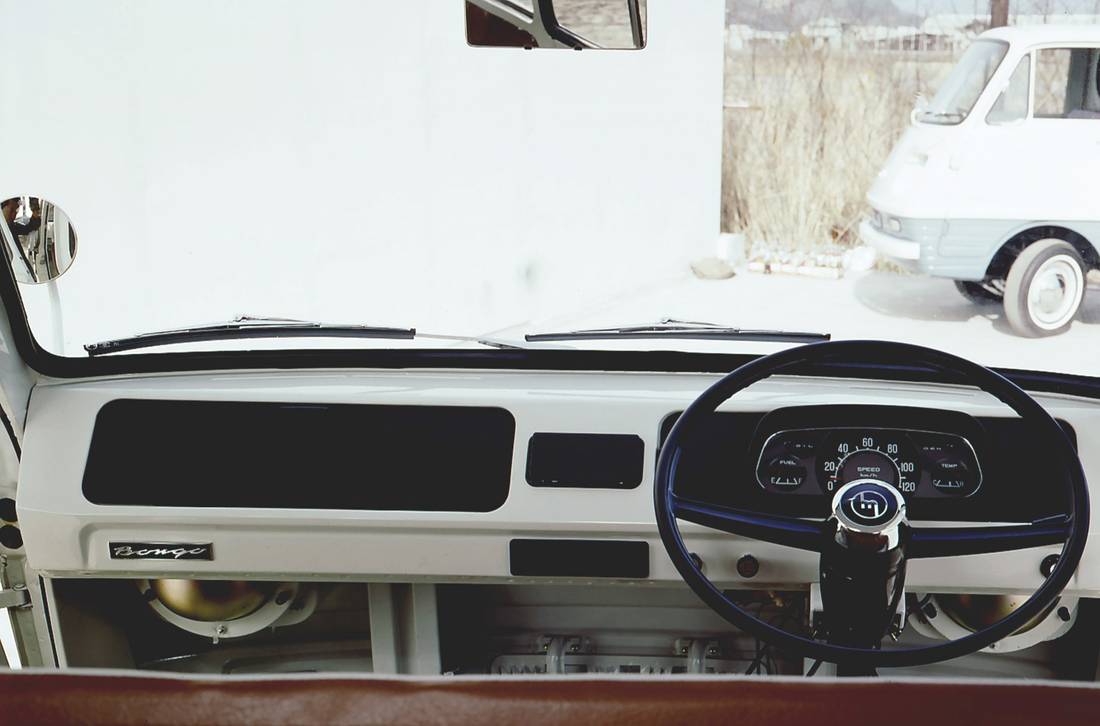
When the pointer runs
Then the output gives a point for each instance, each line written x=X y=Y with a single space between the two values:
x=1051 y=437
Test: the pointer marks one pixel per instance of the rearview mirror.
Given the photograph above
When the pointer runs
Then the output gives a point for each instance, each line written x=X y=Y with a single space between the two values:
x=39 y=241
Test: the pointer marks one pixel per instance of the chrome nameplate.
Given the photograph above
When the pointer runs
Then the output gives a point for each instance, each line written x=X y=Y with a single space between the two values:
x=161 y=551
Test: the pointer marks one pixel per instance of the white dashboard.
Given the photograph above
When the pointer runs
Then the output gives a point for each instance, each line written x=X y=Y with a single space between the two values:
x=66 y=535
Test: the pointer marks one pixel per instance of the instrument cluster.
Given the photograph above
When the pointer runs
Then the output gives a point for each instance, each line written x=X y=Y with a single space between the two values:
x=950 y=466
x=920 y=464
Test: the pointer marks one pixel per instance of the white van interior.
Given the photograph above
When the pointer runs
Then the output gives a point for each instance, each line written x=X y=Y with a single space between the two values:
x=372 y=490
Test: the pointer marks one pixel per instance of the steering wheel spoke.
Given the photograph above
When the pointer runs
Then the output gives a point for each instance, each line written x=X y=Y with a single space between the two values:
x=976 y=540
x=787 y=531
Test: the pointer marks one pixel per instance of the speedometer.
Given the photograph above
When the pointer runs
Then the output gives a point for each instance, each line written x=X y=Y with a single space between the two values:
x=846 y=455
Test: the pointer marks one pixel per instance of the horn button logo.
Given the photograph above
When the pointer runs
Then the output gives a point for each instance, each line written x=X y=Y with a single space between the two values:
x=870 y=504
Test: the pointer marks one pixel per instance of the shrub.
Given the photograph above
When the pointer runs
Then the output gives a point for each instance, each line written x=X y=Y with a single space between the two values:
x=806 y=130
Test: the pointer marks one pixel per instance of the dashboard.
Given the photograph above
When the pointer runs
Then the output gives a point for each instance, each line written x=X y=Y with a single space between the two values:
x=509 y=476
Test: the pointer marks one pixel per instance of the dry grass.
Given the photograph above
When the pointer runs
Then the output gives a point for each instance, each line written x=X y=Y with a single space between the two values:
x=806 y=131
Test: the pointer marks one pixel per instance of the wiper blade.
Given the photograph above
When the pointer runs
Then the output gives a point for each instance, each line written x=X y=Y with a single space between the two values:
x=245 y=327
x=681 y=330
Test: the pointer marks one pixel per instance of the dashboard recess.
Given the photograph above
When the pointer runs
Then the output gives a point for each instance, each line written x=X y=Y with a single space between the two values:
x=159 y=453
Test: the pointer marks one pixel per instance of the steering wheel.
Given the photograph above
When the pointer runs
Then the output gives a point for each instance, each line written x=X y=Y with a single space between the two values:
x=865 y=543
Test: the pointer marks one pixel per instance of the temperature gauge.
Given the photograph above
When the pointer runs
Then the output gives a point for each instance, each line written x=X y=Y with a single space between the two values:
x=953 y=468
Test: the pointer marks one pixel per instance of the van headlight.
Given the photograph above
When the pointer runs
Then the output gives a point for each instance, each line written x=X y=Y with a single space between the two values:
x=885 y=222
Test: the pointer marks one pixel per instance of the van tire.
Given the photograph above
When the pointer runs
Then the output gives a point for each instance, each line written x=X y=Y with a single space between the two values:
x=1052 y=265
x=976 y=292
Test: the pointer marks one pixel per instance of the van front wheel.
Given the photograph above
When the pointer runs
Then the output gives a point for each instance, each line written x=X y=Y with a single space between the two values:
x=1044 y=289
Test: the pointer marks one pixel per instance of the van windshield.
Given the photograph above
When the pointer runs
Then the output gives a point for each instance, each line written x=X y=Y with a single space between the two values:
x=689 y=183
x=958 y=94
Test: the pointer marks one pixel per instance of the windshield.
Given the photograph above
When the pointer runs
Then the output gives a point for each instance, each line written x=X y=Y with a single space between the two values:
x=960 y=91
x=462 y=182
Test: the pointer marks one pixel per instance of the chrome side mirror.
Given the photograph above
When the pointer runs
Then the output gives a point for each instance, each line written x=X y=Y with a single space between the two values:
x=39 y=240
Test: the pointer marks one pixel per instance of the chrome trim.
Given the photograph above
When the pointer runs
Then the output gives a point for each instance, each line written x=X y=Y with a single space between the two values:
x=131 y=550
x=846 y=526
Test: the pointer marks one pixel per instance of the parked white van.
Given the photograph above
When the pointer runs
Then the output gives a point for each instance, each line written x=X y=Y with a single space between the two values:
x=994 y=185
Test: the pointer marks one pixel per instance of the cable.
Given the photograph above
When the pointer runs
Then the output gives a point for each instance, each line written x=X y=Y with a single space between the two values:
x=764 y=651
x=761 y=651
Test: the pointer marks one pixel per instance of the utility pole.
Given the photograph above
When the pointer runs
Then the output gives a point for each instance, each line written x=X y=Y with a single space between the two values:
x=998 y=13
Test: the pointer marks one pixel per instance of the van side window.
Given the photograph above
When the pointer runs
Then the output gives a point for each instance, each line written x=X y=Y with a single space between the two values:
x=1066 y=83
x=1012 y=104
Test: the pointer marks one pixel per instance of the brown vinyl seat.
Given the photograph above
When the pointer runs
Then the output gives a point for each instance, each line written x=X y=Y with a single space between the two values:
x=127 y=698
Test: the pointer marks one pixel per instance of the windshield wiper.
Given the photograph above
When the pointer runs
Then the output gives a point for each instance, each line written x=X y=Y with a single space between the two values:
x=244 y=327
x=680 y=330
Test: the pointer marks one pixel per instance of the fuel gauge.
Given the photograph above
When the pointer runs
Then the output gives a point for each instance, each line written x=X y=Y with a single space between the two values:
x=783 y=465
x=783 y=473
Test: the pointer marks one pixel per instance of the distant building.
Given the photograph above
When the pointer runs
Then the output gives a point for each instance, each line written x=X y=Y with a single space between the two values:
x=1055 y=19
x=825 y=32
x=743 y=37
x=957 y=25
x=944 y=32
x=885 y=37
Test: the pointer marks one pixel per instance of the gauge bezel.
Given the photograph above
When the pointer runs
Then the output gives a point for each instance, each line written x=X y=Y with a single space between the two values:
x=825 y=431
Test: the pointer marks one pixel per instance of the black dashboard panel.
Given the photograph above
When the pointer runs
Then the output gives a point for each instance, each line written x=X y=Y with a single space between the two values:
x=300 y=456
x=589 y=461
x=578 y=558
x=1004 y=478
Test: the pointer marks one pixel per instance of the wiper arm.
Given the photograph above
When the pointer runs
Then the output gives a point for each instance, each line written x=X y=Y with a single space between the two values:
x=681 y=330
x=245 y=327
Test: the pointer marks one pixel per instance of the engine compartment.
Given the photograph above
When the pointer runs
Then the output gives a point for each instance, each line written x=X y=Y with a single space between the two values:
x=466 y=629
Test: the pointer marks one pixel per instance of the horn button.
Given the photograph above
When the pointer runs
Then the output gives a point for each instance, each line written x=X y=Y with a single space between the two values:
x=868 y=515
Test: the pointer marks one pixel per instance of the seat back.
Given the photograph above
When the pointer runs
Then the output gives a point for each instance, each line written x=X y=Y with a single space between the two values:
x=126 y=698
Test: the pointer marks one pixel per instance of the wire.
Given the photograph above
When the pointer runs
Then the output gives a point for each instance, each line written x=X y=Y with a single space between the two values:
x=764 y=651
x=761 y=652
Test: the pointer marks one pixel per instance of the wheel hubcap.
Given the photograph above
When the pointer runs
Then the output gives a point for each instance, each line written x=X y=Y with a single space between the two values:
x=1055 y=292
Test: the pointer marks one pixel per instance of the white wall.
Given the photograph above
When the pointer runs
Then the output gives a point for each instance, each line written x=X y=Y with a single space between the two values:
x=353 y=160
